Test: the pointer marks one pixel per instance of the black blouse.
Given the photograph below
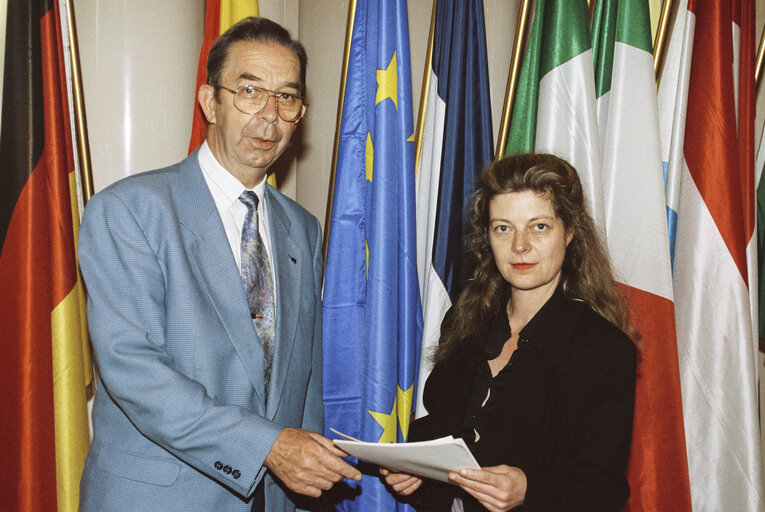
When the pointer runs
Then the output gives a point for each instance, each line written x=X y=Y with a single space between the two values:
x=560 y=410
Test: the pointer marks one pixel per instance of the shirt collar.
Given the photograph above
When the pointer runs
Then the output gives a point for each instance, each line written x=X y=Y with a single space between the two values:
x=228 y=186
x=549 y=331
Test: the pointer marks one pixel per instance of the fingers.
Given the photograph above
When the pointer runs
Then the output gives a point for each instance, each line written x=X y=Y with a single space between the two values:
x=401 y=483
x=307 y=463
x=497 y=488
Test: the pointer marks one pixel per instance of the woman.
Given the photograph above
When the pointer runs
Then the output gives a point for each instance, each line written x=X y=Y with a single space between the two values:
x=535 y=367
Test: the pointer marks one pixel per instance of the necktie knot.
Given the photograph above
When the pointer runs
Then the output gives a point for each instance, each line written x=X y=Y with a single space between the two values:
x=250 y=199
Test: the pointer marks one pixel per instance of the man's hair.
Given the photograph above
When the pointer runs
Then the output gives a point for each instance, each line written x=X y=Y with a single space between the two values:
x=251 y=29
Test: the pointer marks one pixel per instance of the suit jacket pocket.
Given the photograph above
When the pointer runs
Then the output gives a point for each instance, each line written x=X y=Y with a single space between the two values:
x=140 y=468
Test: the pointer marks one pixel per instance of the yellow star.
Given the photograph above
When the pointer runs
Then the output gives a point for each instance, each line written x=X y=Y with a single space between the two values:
x=404 y=409
x=387 y=83
x=401 y=411
x=388 y=423
x=370 y=156
x=411 y=138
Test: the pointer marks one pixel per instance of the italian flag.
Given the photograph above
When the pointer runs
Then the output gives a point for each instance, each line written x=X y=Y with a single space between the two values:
x=555 y=100
x=638 y=243
x=590 y=97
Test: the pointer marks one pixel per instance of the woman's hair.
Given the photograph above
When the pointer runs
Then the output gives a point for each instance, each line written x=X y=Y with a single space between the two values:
x=586 y=272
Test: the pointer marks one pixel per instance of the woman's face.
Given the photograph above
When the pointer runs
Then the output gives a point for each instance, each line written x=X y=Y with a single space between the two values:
x=528 y=240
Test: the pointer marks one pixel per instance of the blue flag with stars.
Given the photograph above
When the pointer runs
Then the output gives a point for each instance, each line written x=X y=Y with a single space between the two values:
x=372 y=315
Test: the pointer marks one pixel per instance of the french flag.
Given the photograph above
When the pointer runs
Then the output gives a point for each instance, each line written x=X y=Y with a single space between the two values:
x=456 y=145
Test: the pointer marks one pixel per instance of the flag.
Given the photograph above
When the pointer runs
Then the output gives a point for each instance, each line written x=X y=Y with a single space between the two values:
x=220 y=15
x=456 y=145
x=371 y=313
x=760 y=188
x=710 y=162
x=43 y=373
x=638 y=244
x=554 y=109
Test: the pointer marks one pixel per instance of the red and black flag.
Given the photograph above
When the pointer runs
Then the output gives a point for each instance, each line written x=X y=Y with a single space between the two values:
x=43 y=347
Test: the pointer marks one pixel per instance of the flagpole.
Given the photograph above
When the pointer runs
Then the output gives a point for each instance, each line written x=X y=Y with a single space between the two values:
x=425 y=91
x=512 y=79
x=346 y=57
x=758 y=61
x=661 y=32
x=81 y=128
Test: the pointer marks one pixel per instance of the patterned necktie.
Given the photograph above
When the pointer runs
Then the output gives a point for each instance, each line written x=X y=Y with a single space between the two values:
x=258 y=285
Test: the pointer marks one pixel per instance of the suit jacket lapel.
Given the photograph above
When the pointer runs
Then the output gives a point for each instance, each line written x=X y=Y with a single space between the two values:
x=210 y=256
x=288 y=257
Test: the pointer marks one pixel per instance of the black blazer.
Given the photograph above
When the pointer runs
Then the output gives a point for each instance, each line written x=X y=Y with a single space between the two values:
x=566 y=414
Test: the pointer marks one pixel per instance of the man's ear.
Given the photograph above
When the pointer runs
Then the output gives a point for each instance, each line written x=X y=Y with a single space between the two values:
x=206 y=99
x=302 y=113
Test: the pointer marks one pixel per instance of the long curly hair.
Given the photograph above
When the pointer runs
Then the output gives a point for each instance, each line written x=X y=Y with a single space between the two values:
x=586 y=272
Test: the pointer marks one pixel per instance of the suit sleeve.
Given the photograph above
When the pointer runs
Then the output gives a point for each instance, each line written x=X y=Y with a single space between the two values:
x=313 y=418
x=127 y=296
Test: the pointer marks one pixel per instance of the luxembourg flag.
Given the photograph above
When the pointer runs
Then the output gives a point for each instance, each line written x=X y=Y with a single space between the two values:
x=456 y=145
x=638 y=243
x=706 y=99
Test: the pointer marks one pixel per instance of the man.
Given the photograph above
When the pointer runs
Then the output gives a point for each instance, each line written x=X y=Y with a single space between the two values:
x=210 y=380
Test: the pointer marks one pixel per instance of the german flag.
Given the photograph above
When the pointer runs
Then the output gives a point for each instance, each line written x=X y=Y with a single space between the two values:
x=43 y=370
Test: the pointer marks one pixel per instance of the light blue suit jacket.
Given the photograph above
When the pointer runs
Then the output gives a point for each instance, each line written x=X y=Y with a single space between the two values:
x=179 y=417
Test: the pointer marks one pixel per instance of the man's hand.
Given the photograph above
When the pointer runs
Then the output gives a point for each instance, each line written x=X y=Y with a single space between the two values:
x=402 y=483
x=498 y=488
x=307 y=462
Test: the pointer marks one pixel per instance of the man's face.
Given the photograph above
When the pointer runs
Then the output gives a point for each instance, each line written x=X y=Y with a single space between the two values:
x=247 y=144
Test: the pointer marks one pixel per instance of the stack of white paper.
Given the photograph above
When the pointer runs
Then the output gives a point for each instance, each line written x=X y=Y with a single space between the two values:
x=432 y=459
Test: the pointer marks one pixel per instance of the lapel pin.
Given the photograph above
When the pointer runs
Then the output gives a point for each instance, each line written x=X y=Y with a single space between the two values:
x=293 y=260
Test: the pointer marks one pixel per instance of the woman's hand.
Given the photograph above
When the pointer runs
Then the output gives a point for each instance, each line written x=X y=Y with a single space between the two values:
x=498 y=488
x=403 y=483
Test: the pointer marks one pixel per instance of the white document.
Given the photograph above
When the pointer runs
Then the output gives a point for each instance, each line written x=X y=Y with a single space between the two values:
x=432 y=459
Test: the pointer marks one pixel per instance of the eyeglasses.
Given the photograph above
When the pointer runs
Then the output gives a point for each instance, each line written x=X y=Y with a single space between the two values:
x=249 y=99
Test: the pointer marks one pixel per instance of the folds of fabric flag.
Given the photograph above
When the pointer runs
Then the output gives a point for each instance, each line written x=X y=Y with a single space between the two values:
x=555 y=100
x=672 y=99
x=371 y=311
x=45 y=428
x=746 y=91
x=456 y=145
x=714 y=226
x=633 y=188
x=760 y=187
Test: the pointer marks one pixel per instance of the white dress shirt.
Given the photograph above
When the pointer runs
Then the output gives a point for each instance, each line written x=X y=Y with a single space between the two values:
x=226 y=189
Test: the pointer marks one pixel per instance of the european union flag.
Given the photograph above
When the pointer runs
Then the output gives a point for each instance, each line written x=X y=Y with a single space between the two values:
x=372 y=312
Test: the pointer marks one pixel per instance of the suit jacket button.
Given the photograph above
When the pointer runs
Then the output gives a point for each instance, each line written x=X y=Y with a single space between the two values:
x=218 y=465
x=227 y=470
x=236 y=474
